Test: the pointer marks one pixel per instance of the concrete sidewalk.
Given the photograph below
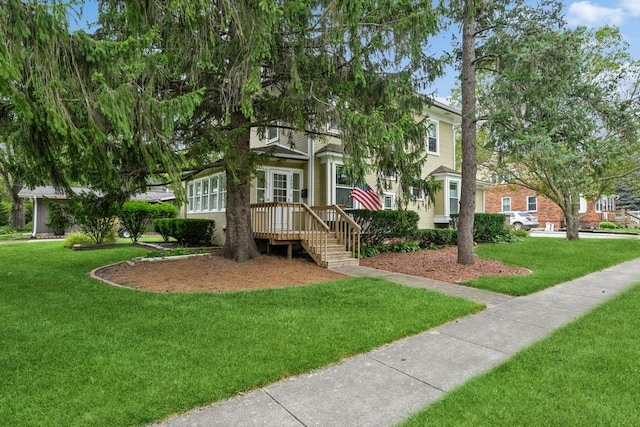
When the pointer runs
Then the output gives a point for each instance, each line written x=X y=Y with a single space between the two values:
x=384 y=386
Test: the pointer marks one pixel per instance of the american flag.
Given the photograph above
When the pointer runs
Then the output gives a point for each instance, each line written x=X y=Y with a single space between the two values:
x=367 y=198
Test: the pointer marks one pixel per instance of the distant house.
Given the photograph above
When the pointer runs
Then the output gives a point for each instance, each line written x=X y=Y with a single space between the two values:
x=512 y=197
x=37 y=195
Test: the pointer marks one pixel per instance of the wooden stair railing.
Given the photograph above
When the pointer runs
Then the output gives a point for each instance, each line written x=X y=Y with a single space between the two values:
x=345 y=228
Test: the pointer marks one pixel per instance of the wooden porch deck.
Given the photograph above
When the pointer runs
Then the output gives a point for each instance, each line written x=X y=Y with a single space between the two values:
x=327 y=233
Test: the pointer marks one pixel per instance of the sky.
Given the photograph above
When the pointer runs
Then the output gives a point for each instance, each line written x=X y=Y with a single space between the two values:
x=625 y=14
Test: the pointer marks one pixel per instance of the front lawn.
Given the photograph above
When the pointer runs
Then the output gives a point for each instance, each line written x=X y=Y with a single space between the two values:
x=585 y=374
x=76 y=352
x=552 y=261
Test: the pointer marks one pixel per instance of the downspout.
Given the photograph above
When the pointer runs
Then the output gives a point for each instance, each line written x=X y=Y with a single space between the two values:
x=310 y=171
x=35 y=217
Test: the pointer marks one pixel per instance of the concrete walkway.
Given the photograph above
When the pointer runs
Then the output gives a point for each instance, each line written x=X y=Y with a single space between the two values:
x=384 y=386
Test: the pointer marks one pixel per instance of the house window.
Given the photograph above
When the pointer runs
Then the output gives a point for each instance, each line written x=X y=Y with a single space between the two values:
x=432 y=138
x=388 y=201
x=532 y=203
x=207 y=194
x=605 y=204
x=333 y=126
x=261 y=186
x=343 y=187
x=272 y=134
x=506 y=204
x=417 y=194
x=454 y=198
x=295 y=187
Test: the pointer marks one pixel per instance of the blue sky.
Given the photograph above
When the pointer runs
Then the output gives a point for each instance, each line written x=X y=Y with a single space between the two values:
x=624 y=14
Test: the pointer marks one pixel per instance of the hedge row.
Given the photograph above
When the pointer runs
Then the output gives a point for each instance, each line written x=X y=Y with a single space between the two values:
x=379 y=226
x=136 y=215
x=188 y=232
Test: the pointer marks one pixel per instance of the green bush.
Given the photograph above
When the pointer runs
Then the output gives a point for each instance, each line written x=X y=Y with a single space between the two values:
x=379 y=226
x=77 y=238
x=430 y=238
x=137 y=215
x=60 y=217
x=190 y=232
x=607 y=225
x=163 y=210
x=404 y=247
x=5 y=214
x=96 y=215
x=163 y=228
x=487 y=227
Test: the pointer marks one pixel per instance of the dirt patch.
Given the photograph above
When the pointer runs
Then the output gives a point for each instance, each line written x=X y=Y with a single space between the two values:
x=214 y=273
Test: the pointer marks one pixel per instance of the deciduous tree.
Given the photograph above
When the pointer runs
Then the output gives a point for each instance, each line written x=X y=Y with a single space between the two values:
x=564 y=115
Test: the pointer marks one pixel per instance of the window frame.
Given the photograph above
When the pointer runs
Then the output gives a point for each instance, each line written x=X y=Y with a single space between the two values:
x=196 y=196
x=502 y=204
x=530 y=203
x=431 y=124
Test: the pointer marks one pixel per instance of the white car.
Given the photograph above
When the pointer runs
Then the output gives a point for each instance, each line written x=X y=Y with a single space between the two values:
x=520 y=220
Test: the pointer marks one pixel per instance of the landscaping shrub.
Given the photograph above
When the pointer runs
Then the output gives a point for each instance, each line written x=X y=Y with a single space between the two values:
x=378 y=226
x=60 y=217
x=96 y=215
x=404 y=247
x=135 y=217
x=163 y=210
x=430 y=238
x=77 y=238
x=487 y=227
x=607 y=225
x=5 y=217
x=191 y=231
x=163 y=228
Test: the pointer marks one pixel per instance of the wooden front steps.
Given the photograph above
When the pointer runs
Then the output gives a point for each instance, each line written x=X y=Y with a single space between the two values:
x=334 y=255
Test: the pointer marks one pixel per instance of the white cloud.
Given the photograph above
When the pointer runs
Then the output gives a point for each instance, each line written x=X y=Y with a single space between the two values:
x=631 y=6
x=588 y=14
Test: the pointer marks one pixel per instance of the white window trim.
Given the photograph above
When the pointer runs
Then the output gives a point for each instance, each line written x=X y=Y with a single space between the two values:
x=291 y=191
x=219 y=190
x=437 y=137
x=392 y=196
x=502 y=204
x=419 y=197
x=536 y=203
x=334 y=128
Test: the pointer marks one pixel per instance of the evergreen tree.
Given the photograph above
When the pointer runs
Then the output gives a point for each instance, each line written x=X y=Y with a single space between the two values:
x=298 y=65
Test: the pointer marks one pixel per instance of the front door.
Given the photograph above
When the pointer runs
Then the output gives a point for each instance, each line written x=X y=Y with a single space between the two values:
x=280 y=192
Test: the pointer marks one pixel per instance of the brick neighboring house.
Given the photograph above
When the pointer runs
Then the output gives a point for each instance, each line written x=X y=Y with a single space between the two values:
x=512 y=197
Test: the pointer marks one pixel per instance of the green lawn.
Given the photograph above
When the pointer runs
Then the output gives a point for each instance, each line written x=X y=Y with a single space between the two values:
x=76 y=352
x=585 y=374
x=552 y=261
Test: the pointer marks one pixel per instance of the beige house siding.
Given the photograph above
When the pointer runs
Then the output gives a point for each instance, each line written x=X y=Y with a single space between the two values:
x=321 y=185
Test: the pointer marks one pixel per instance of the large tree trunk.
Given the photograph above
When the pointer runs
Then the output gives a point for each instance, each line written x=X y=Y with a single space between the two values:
x=239 y=244
x=572 y=219
x=469 y=166
x=17 y=208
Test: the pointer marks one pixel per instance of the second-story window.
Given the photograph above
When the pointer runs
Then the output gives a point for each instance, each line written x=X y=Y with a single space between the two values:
x=272 y=133
x=432 y=138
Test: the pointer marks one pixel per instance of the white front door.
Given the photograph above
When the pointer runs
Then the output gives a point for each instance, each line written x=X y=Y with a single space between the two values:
x=280 y=191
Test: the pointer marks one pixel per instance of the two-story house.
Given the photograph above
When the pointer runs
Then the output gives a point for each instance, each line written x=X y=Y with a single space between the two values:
x=304 y=170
